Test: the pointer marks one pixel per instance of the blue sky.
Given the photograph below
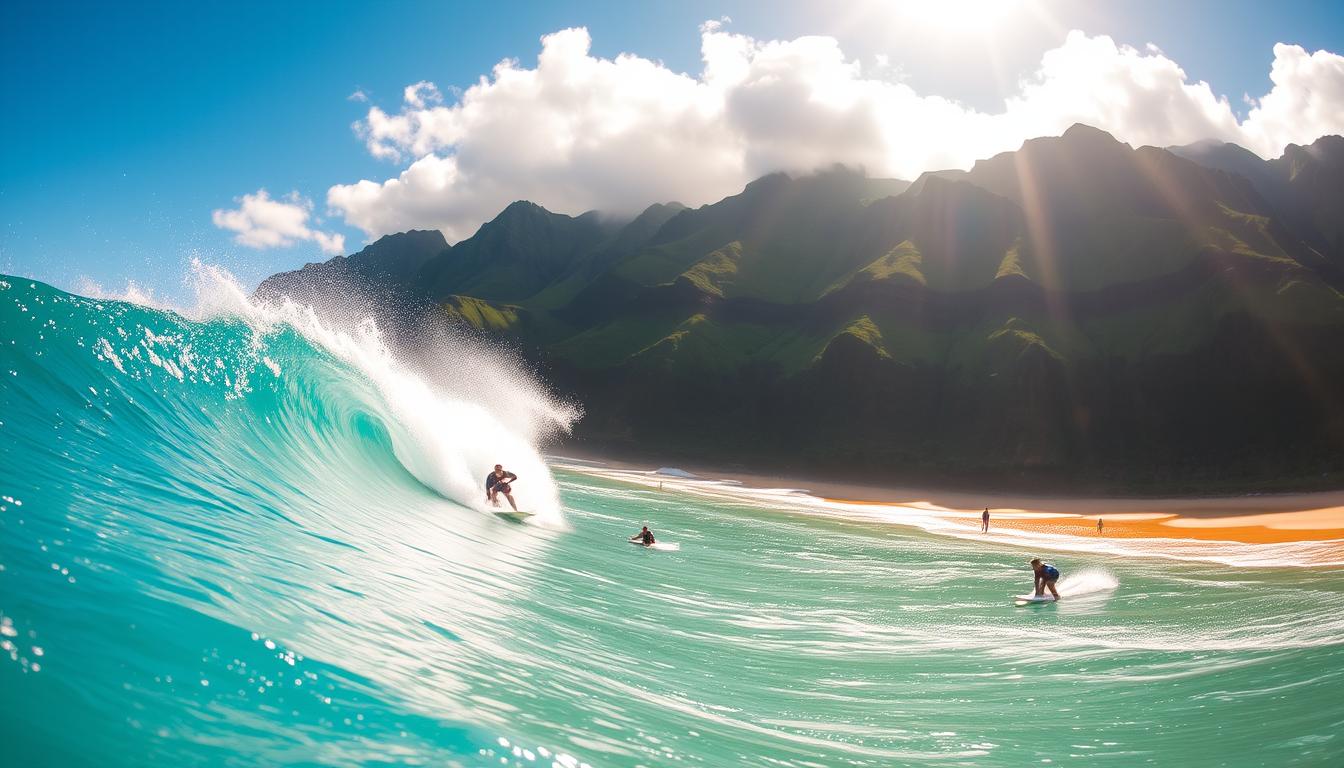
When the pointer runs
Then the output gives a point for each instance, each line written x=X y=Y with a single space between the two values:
x=126 y=127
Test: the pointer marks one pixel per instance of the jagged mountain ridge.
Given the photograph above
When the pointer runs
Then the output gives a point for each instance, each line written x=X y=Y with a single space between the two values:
x=1304 y=186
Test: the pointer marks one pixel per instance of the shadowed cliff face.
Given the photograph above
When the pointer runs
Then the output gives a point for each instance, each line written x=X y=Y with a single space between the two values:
x=1304 y=188
x=1077 y=311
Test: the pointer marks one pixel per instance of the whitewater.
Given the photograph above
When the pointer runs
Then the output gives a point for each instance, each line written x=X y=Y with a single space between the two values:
x=254 y=533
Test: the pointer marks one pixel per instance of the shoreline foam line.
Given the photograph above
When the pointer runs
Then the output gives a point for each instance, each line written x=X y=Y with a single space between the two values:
x=1301 y=538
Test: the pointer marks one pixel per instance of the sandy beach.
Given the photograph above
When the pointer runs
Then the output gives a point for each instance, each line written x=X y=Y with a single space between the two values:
x=1251 y=519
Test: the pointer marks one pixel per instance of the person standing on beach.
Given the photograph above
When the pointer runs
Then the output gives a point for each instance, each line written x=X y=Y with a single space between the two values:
x=984 y=521
x=1099 y=526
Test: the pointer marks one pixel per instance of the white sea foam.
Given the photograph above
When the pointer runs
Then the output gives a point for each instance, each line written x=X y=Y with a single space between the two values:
x=454 y=408
x=132 y=293
x=1088 y=581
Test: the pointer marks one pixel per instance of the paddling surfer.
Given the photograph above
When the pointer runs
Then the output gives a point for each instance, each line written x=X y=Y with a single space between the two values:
x=645 y=537
x=1045 y=577
x=498 y=482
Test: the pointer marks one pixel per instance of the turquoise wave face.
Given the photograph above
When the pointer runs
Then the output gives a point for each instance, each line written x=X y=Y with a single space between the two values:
x=225 y=545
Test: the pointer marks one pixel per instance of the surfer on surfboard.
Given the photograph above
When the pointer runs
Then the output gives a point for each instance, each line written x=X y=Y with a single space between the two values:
x=645 y=537
x=1045 y=577
x=497 y=482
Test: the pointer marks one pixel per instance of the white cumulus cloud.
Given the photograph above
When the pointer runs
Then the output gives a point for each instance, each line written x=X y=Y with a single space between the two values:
x=1306 y=102
x=261 y=221
x=419 y=94
x=578 y=132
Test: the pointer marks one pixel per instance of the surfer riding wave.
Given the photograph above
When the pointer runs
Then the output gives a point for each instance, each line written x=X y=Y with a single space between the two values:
x=497 y=482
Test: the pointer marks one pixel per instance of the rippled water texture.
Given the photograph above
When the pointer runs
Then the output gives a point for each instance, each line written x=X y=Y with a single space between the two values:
x=233 y=547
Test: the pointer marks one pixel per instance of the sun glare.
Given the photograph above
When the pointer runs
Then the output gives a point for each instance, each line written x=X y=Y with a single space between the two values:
x=952 y=16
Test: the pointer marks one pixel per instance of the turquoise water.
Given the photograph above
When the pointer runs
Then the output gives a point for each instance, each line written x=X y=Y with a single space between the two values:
x=233 y=542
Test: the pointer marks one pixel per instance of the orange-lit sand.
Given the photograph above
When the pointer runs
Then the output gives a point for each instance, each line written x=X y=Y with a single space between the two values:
x=1232 y=528
x=1211 y=523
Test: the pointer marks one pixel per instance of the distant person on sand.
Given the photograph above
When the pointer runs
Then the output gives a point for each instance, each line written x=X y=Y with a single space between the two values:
x=1046 y=576
x=645 y=537
x=984 y=521
x=1098 y=526
x=497 y=482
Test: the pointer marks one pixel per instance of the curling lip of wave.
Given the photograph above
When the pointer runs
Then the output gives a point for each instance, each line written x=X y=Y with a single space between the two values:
x=479 y=415
x=446 y=430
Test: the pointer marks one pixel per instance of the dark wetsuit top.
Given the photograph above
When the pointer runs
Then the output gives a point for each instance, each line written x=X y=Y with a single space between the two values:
x=645 y=537
x=491 y=480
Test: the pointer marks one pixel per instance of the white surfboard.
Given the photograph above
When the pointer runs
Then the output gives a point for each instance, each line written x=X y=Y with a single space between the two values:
x=1032 y=599
x=519 y=515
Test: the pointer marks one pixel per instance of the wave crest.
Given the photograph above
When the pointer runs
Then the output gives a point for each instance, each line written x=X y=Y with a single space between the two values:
x=452 y=406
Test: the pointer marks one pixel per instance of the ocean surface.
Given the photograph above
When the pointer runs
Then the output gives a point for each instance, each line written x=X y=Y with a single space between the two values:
x=243 y=536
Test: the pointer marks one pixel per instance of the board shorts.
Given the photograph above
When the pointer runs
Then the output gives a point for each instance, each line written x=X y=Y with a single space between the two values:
x=501 y=488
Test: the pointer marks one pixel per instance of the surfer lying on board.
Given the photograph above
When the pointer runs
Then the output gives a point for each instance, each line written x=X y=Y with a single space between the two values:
x=645 y=537
x=1046 y=576
x=497 y=482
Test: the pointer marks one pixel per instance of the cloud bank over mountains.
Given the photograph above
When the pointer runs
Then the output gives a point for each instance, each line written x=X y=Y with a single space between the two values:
x=578 y=132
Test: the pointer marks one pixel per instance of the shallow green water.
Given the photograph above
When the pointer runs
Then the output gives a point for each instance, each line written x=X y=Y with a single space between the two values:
x=196 y=573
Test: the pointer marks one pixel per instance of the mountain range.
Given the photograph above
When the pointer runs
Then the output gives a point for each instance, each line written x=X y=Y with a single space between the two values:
x=1077 y=313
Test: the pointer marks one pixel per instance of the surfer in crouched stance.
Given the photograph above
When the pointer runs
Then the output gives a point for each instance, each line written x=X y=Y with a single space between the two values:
x=1046 y=576
x=497 y=482
x=645 y=537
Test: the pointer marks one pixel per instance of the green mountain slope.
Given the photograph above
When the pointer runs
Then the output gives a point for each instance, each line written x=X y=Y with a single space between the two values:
x=516 y=255
x=1304 y=187
x=388 y=266
x=780 y=225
